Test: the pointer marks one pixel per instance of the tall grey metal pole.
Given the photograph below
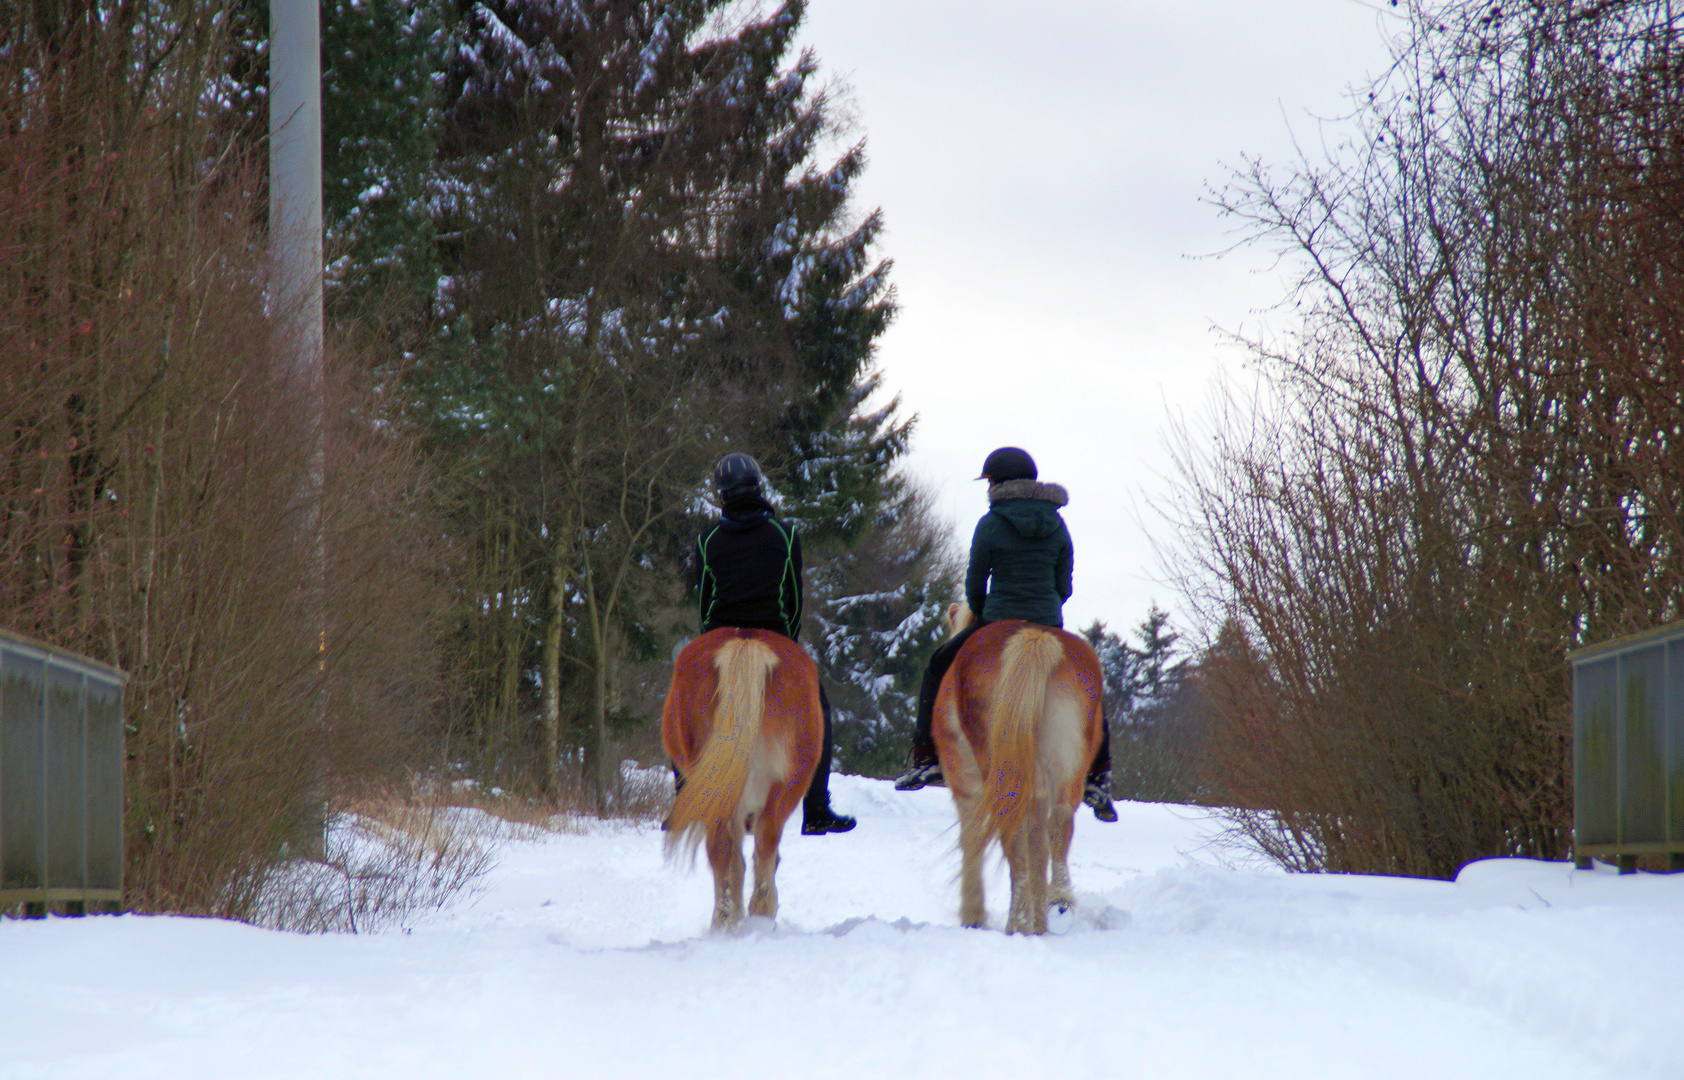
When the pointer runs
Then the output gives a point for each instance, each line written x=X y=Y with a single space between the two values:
x=295 y=244
x=295 y=181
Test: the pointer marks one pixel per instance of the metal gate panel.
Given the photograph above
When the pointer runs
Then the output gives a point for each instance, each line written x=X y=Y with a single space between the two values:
x=1642 y=762
x=64 y=779
x=104 y=779
x=22 y=817
x=1673 y=737
x=1628 y=747
x=1596 y=760
x=61 y=775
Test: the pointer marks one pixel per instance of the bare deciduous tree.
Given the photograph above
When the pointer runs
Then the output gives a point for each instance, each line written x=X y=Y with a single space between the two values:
x=150 y=448
x=1465 y=460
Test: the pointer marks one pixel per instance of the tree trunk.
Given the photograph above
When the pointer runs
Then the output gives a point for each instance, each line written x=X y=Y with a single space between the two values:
x=548 y=777
x=601 y=775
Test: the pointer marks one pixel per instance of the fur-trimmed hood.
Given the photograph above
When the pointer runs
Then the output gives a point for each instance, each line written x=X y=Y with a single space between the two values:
x=1028 y=489
x=1029 y=506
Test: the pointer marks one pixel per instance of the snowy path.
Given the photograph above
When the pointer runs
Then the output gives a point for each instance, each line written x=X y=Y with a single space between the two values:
x=585 y=957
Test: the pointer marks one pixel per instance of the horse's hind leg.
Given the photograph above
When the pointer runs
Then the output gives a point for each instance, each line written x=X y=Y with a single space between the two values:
x=1061 y=827
x=964 y=780
x=973 y=911
x=1027 y=853
x=1038 y=866
x=725 y=856
x=767 y=834
x=1016 y=847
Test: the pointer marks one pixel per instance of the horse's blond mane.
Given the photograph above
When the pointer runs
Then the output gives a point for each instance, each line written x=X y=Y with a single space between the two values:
x=959 y=616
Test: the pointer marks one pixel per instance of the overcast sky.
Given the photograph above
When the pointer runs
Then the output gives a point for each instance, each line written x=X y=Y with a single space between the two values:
x=1041 y=166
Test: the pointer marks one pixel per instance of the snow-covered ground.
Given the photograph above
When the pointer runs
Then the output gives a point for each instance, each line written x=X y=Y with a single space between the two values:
x=584 y=956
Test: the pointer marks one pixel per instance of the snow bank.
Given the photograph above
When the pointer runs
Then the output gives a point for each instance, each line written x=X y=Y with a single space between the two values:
x=586 y=957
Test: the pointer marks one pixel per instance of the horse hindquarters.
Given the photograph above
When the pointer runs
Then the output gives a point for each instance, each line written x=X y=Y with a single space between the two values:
x=728 y=780
x=1040 y=745
x=995 y=790
x=1017 y=724
x=743 y=723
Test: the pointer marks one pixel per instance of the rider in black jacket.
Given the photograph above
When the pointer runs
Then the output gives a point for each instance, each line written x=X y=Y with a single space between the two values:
x=749 y=575
x=1020 y=568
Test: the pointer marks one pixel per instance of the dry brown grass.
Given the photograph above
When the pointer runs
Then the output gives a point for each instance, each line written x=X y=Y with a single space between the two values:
x=388 y=858
x=395 y=852
x=643 y=794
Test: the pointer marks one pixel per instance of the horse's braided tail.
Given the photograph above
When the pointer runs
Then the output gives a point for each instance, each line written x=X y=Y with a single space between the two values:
x=713 y=791
x=1014 y=718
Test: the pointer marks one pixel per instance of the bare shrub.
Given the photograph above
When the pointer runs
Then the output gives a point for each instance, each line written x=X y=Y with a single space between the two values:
x=395 y=853
x=1464 y=461
x=386 y=861
x=643 y=794
x=152 y=456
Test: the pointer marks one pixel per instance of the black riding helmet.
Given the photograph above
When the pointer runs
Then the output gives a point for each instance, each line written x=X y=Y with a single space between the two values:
x=1008 y=463
x=736 y=475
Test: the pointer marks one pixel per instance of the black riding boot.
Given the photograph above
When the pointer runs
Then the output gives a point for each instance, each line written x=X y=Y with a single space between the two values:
x=817 y=818
x=925 y=768
x=1097 y=792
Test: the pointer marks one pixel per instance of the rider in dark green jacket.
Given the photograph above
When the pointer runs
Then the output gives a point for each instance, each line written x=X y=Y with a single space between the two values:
x=1019 y=547
x=1020 y=568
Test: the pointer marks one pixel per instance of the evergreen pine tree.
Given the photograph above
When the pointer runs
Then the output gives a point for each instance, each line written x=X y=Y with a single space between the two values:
x=643 y=269
x=382 y=61
x=1150 y=706
x=1157 y=674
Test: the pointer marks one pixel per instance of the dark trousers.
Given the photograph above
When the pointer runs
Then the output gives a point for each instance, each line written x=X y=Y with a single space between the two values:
x=816 y=803
x=924 y=742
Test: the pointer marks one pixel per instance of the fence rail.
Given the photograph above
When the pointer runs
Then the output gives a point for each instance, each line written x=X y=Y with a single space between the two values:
x=61 y=776
x=1628 y=748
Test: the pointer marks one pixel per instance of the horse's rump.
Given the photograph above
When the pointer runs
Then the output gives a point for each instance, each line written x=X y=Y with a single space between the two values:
x=741 y=722
x=1018 y=718
x=1024 y=695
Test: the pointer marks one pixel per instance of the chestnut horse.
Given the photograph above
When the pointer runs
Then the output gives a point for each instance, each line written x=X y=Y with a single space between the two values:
x=743 y=725
x=1017 y=722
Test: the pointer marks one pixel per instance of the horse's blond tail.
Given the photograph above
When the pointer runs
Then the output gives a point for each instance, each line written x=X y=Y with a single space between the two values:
x=713 y=792
x=1014 y=718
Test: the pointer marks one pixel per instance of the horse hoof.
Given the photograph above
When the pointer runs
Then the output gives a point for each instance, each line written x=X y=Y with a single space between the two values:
x=1060 y=918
